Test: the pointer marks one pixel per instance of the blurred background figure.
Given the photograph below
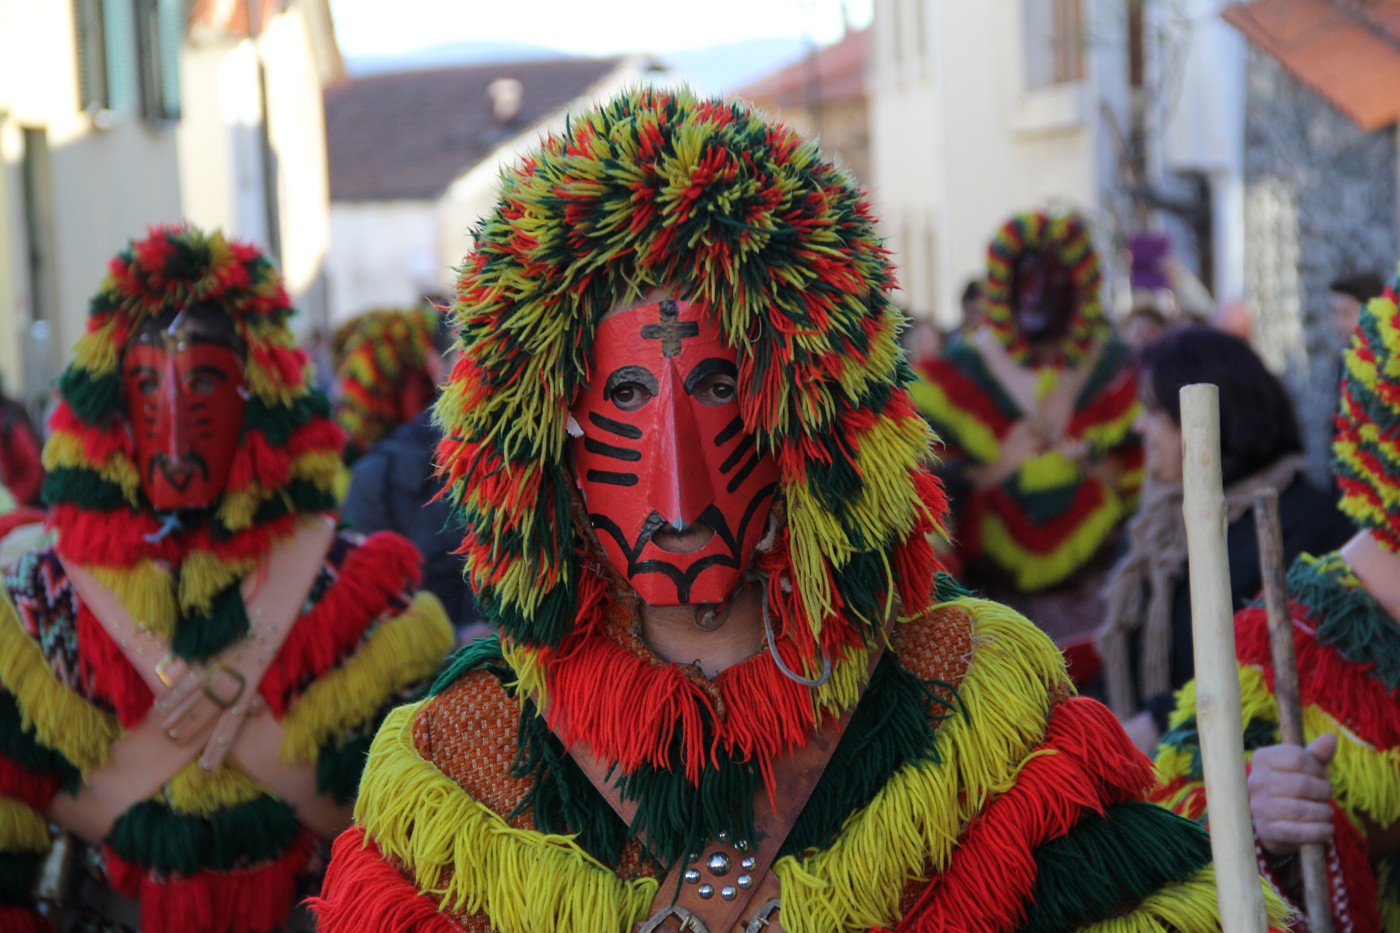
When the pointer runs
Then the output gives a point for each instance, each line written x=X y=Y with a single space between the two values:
x=974 y=307
x=1146 y=637
x=1348 y=295
x=1034 y=410
x=386 y=373
x=922 y=340
x=1144 y=324
x=394 y=487
x=21 y=471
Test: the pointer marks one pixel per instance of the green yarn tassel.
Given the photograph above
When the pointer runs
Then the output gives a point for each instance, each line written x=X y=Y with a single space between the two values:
x=1107 y=865
x=169 y=843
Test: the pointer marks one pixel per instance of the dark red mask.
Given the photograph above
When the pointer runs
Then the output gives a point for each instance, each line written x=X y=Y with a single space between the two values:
x=185 y=404
x=674 y=485
x=1043 y=297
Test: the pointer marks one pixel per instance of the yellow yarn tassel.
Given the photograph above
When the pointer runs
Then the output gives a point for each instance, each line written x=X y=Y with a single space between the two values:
x=146 y=592
x=198 y=793
x=21 y=828
x=400 y=651
x=1190 y=905
x=59 y=718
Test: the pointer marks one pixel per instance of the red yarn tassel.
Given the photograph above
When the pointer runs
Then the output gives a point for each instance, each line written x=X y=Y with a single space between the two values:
x=363 y=892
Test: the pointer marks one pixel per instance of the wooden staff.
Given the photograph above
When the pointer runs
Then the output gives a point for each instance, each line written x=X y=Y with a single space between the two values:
x=1240 y=893
x=1312 y=856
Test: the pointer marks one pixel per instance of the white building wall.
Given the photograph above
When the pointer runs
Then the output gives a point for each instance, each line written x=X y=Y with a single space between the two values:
x=959 y=143
x=385 y=255
x=112 y=175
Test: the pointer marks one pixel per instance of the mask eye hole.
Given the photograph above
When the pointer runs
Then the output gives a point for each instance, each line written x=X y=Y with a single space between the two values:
x=630 y=396
x=716 y=390
x=630 y=388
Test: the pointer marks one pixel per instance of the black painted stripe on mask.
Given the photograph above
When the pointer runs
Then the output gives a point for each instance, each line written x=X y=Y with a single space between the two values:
x=737 y=479
x=608 y=450
x=729 y=431
x=616 y=427
x=609 y=478
x=737 y=454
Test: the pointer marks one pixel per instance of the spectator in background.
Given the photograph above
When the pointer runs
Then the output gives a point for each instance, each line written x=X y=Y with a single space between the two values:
x=1146 y=637
x=382 y=372
x=1349 y=295
x=974 y=307
x=394 y=487
x=922 y=340
x=21 y=469
x=1341 y=789
x=1144 y=324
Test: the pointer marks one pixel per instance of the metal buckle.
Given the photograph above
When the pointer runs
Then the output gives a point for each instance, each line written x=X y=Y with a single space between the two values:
x=162 y=666
x=689 y=922
x=235 y=673
x=764 y=916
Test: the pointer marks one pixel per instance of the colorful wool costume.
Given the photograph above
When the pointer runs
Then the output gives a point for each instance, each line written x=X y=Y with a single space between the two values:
x=1348 y=649
x=381 y=359
x=968 y=767
x=212 y=850
x=1050 y=517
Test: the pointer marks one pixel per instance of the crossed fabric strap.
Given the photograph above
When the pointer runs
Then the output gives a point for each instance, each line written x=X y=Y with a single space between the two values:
x=205 y=709
x=709 y=891
x=1050 y=414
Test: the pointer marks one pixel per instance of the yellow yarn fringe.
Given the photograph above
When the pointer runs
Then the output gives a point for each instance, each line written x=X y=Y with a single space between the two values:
x=194 y=792
x=1189 y=906
x=1112 y=433
x=65 y=450
x=398 y=652
x=1033 y=570
x=968 y=431
x=145 y=592
x=467 y=855
x=461 y=852
x=1043 y=472
x=917 y=819
x=97 y=351
x=204 y=574
x=59 y=718
x=22 y=829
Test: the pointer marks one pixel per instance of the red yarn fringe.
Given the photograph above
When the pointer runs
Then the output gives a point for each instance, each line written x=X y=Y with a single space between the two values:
x=362 y=892
x=1092 y=766
x=252 y=900
x=107 y=672
x=376 y=577
x=1326 y=679
x=15 y=918
x=33 y=790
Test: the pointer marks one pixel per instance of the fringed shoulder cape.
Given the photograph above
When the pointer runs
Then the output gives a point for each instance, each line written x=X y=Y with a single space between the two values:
x=209 y=852
x=971 y=791
x=1049 y=518
x=1349 y=669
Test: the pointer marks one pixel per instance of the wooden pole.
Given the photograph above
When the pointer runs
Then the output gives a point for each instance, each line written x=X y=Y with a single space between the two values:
x=1312 y=857
x=1240 y=891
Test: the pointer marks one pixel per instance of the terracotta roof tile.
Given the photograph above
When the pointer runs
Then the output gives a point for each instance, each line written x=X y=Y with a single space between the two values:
x=409 y=134
x=839 y=76
x=1350 y=55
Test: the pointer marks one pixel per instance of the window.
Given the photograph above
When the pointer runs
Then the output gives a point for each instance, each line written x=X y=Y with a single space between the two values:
x=128 y=56
x=1053 y=35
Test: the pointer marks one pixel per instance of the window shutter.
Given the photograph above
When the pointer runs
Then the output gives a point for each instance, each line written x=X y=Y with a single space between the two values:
x=119 y=31
x=92 y=55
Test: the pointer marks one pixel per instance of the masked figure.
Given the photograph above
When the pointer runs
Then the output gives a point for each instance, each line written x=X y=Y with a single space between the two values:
x=192 y=672
x=1343 y=789
x=730 y=692
x=383 y=373
x=1034 y=411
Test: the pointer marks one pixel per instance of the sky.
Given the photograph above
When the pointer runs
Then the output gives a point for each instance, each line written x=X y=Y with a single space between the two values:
x=585 y=27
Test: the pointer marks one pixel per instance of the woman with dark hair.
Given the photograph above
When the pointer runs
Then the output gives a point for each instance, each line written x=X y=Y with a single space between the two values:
x=1146 y=636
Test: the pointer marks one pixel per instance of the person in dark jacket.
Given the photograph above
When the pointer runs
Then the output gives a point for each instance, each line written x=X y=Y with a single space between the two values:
x=393 y=487
x=1146 y=637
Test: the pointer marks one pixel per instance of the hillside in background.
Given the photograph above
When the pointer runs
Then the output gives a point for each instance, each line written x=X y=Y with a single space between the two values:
x=715 y=70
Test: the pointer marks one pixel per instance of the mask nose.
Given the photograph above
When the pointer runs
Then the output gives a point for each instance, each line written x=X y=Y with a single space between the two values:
x=685 y=488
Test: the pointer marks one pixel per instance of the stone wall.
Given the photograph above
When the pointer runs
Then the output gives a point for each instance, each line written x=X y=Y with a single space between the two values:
x=1320 y=202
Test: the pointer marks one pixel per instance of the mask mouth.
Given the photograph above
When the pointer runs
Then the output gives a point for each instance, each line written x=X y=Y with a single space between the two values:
x=685 y=540
x=179 y=471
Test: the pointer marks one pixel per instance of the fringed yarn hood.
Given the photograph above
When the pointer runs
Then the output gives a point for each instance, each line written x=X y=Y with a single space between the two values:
x=662 y=189
x=377 y=353
x=286 y=463
x=1364 y=452
x=1066 y=236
